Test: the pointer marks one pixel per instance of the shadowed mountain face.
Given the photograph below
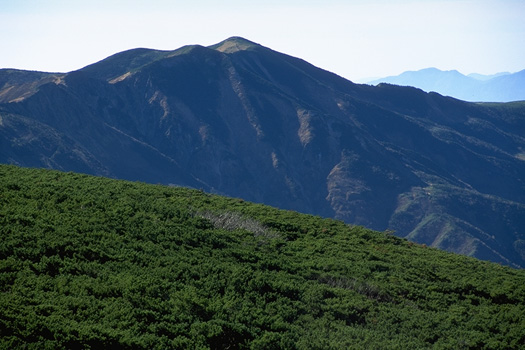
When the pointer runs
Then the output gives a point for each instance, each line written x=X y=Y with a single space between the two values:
x=242 y=120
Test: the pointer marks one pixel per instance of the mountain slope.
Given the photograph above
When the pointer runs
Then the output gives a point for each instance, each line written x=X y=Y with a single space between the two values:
x=474 y=87
x=243 y=120
x=90 y=262
x=15 y=85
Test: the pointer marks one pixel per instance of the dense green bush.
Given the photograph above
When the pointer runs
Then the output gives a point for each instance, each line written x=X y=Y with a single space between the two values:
x=95 y=263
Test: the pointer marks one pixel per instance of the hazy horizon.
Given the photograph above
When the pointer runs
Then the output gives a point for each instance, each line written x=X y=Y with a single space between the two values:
x=355 y=39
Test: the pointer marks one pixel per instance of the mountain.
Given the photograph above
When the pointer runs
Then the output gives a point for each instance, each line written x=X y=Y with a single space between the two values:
x=242 y=120
x=501 y=87
x=485 y=77
x=95 y=263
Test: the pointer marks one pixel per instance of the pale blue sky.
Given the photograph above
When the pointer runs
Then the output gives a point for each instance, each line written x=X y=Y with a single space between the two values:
x=355 y=39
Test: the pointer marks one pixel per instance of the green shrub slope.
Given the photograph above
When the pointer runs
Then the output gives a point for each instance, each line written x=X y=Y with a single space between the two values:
x=95 y=263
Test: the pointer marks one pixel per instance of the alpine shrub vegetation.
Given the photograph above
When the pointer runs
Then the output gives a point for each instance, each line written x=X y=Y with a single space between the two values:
x=96 y=263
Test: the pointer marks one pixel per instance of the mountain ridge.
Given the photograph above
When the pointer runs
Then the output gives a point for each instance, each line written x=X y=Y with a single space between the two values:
x=499 y=87
x=271 y=128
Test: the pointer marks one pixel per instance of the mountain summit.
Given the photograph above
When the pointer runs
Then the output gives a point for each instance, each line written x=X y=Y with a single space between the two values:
x=240 y=119
x=234 y=44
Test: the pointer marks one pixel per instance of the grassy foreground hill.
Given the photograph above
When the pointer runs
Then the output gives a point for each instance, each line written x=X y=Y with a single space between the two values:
x=95 y=263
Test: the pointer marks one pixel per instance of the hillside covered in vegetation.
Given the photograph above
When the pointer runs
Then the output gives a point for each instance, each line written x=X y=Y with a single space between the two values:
x=96 y=263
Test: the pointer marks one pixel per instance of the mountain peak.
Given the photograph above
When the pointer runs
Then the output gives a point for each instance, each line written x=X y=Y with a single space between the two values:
x=260 y=125
x=234 y=44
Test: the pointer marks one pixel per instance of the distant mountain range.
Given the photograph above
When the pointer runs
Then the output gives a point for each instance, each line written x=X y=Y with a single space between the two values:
x=501 y=87
x=242 y=120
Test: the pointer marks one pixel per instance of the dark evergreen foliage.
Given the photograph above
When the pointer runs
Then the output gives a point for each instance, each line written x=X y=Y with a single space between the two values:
x=94 y=263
